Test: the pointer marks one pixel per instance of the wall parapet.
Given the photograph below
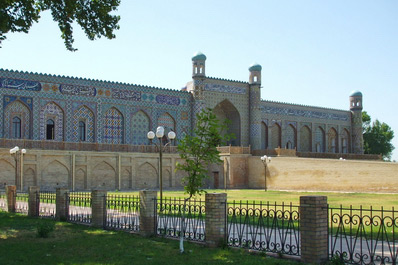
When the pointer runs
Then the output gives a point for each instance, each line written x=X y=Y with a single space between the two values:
x=82 y=146
x=340 y=155
x=234 y=149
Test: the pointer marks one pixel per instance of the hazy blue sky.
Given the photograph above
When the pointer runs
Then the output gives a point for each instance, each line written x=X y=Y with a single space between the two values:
x=312 y=52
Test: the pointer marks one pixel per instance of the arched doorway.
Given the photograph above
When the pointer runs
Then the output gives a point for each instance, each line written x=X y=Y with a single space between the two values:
x=226 y=110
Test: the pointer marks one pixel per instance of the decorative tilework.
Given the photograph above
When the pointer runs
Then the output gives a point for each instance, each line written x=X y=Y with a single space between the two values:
x=225 y=88
x=9 y=99
x=77 y=90
x=167 y=122
x=54 y=112
x=126 y=94
x=140 y=128
x=290 y=137
x=20 y=84
x=169 y=100
x=113 y=127
x=20 y=110
x=304 y=113
x=319 y=140
x=87 y=116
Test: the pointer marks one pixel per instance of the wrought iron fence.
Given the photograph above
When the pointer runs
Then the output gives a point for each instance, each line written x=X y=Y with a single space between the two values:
x=21 y=202
x=79 y=207
x=3 y=200
x=169 y=218
x=264 y=227
x=363 y=236
x=46 y=201
x=122 y=212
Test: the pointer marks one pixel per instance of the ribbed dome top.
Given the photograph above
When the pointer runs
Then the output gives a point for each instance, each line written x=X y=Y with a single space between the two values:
x=356 y=93
x=199 y=57
x=255 y=67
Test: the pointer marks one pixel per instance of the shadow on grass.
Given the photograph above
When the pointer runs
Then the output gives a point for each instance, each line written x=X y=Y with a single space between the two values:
x=78 y=244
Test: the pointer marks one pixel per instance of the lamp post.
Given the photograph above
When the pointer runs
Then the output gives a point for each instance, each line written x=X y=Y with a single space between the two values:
x=159 y=134
x=266 y=160
x=18 y=154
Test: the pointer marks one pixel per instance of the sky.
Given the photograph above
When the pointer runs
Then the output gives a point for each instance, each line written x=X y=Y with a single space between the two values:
x=312 y=52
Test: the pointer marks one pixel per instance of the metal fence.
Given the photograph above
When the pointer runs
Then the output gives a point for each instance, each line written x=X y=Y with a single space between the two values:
x=46 y=202
x=122 y=212
x=21 y=199
x=79 y=207
x=264 y=227
x=363 y=236
x=3 y=200
x=169 y=218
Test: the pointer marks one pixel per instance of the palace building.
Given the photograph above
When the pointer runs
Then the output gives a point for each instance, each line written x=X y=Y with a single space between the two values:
x=67 y=109
x=76 y=118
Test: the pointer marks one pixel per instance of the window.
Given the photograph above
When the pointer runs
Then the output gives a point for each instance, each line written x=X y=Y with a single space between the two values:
x=16 y=127
x=50 y=129
x=82 y=131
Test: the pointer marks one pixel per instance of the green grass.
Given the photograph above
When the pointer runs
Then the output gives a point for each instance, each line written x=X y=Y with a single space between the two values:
x=335 y=199
x=77 y=244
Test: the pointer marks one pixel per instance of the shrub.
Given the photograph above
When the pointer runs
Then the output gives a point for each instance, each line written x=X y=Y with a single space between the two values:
x=44 y=229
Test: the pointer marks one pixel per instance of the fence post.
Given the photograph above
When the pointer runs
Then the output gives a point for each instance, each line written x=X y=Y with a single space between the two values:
x=148 y=212
x=98 y=208
x=216 y=219
x=62 y=204
x=33 y=201
x=11 y=192
x=314 y=229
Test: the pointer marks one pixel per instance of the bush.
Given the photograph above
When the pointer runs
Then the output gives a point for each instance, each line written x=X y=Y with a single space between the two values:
x=44 y=229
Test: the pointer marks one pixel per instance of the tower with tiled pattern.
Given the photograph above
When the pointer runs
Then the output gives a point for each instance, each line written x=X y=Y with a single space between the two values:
x=198 y=76
x=356 y=120
x=254 y=103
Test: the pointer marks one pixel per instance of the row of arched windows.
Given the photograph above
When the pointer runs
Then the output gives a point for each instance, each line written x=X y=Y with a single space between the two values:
x=329 y=142
x=18 y=120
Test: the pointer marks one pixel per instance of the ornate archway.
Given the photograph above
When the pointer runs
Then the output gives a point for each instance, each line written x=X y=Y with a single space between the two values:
x=226 y=110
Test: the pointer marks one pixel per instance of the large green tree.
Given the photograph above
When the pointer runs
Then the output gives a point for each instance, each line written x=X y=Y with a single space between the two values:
x=377 y=137
x=92 y=15
x=198 y=151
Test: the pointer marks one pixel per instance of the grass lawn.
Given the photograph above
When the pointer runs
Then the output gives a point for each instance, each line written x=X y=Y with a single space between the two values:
x=376 y=200
x=78 y=244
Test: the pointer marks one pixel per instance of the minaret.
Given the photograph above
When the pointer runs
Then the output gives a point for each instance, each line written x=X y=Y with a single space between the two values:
x=198 y=76
x=254 y=103
x=356 y=122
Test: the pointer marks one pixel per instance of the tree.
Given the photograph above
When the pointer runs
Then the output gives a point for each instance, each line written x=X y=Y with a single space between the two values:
x=92 y=15
x=377 y=137
x=198 y=151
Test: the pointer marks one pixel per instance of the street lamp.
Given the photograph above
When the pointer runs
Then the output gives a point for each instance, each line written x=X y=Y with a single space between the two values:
x=266 y=160
x=160 y=134
x=17 y=154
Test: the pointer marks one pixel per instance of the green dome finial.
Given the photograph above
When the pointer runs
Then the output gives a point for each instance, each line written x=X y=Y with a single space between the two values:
x=255 y=67
x=199 y=57
x=356 y=93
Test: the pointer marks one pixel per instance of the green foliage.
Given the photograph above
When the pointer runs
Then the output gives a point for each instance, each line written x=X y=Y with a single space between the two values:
x=200 y=149
x=44 y=229
x=377 y=137
x=337 y=259
x=93 y=16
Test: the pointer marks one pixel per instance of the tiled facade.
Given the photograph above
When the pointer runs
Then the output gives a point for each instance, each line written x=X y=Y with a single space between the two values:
x=55 y=107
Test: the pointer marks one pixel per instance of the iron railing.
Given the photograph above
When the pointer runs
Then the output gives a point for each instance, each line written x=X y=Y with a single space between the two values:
x=169 y=218
x=3 y=200
x=264 y=227
x=79 y=204
x=46 y=202
x=21 y=202
x=363 y=236
x=122 y=212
